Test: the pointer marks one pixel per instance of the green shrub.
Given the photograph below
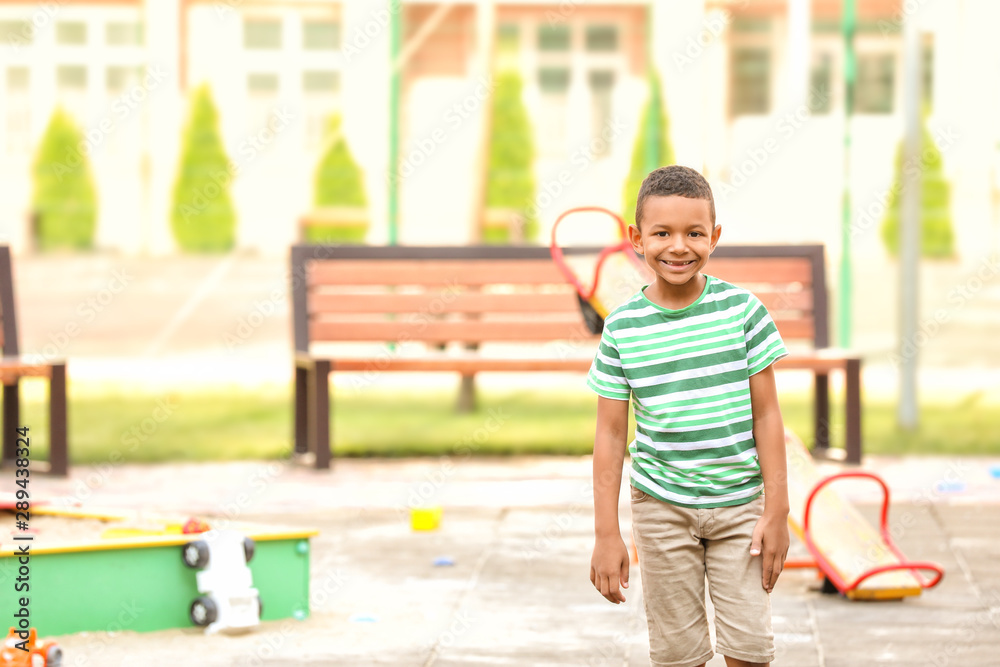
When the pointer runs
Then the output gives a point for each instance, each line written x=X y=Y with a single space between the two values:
x=937 y=240
x=64 y=198
x=337 y=182
x=510 y=182
x=663 y=153
x=202 y=217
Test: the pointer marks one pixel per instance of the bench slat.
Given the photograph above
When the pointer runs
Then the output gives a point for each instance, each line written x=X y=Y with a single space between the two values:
x=778 y=301
x=441 y=331
x=777 y=270
x=446 y=302
x=800 y=328
x=435 y=272
x=463 y=366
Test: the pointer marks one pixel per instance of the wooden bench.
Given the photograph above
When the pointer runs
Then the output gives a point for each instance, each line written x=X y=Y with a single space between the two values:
x=13 y=367
x=418 y=298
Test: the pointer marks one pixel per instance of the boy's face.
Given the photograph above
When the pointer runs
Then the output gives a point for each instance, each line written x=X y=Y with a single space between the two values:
x=676 y=237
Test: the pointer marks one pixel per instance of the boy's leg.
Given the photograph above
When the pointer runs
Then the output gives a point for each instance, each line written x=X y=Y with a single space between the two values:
x=672 y=560
x=742 y=606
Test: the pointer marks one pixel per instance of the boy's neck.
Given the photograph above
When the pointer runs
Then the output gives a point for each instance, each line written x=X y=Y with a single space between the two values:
x=675 y=297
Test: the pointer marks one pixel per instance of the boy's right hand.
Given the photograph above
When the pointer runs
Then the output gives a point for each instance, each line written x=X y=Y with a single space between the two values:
x=609 y=568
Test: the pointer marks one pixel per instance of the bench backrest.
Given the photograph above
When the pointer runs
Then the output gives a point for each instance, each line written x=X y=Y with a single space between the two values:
x=475 y=294
x=471 y=294
x=8 y=317
x=790 y=280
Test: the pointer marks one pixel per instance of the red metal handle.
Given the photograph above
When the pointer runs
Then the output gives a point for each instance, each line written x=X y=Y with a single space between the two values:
x=828 y=568
x=913 y=566
x=557 y=253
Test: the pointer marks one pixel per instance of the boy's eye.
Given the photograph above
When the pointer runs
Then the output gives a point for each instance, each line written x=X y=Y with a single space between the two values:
x=661 y=233
x=695 y=233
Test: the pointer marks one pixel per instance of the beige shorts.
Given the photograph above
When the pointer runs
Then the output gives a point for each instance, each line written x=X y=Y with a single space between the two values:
x=678 y=547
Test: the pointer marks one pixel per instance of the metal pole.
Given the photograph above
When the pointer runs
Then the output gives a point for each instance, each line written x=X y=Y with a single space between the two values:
x=653 y=158
x=845 y=287
x=395 y=77
x=909 y=229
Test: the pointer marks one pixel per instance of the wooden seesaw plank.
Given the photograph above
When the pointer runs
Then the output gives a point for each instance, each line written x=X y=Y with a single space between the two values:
x=841 y=535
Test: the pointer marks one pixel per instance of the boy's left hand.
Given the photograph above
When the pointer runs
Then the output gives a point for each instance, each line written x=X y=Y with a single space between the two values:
x=770 y=540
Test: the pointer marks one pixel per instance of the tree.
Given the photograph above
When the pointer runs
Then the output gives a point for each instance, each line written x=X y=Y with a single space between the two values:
x=64 y=201
x=662 y=155
x=338 y=182
x=510 y=183
x=202 y=217
x=937 y=238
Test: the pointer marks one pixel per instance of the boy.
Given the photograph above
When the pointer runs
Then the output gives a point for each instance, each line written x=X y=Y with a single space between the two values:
x=695 y=353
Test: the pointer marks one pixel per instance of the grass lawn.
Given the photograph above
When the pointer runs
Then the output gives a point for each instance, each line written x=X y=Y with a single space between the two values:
x=244 y=425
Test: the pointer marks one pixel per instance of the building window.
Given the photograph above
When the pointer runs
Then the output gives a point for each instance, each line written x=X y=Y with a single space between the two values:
x=71 y=88
x=262 y=84
x=71 y=33
x=553 y=38
x=553 y=82
x=321 y=88
x=821 y=84
x=18 y=117
x=16 y=33
x=321 y=81
x=601 y=84
x=262 y=34
x=321 y=35
x=751 y=81
x=508 y=37
x=124 y=34
x=118 y=78
x=874 y=87
x=602 y=38
x=927 y=72
x=71 y=77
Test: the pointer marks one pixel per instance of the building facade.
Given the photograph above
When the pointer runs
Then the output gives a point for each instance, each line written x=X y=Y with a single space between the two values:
x=753 y=91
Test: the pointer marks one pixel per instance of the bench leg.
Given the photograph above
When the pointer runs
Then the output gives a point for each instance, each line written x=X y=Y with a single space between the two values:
x=821 y=414
x=466 y=394
x=11 y=420
x=853 y=386
x=319 y=413
x=58 y=450
x=301 y=408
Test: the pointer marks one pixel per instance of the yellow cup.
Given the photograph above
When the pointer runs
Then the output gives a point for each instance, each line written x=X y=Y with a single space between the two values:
x=425 y=518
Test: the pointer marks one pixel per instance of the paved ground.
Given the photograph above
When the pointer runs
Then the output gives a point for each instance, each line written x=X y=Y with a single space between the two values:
x=520 y=534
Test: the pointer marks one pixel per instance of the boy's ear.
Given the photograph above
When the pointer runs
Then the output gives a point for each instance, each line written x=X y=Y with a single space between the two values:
x=635 y=236
x=716 y=233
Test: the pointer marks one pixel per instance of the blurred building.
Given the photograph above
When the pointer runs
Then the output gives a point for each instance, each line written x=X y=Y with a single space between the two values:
x=753 y=88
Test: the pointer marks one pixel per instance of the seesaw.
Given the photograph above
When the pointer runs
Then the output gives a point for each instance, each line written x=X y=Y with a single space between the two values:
x=861 y=562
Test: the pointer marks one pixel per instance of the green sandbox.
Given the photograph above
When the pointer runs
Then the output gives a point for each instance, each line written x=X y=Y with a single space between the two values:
x=142 y=584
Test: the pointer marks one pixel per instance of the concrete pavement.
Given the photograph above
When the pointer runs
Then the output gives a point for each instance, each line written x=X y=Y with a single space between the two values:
x=519 y=532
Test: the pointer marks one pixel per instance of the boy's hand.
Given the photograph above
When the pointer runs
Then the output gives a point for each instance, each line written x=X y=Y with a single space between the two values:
x=609 y=568
x=770 y=540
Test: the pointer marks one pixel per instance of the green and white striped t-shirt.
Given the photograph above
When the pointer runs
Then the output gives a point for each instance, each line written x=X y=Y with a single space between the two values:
x=688 y=372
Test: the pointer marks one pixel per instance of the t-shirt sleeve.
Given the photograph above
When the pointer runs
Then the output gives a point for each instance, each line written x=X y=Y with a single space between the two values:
x=606 y=376
x=764 y=344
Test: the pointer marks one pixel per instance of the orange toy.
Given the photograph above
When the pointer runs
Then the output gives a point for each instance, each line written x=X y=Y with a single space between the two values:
x=39 y=651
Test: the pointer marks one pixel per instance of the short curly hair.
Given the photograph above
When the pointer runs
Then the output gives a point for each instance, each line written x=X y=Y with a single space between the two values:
x=674 y=180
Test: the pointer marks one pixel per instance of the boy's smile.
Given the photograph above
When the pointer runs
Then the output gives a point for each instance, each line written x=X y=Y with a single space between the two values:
x=676 y=236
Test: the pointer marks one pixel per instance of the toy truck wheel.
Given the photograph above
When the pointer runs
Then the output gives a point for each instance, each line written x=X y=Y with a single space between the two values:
x=195 y=554
x=53 y=657
x=203 y=611
x=260 y=608
x=249 y=546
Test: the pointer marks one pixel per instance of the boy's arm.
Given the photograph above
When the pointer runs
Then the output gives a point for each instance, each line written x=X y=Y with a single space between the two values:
x=609 y=565
x=770 y=536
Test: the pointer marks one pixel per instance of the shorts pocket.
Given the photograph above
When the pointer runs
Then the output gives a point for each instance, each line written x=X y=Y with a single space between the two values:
x=638 y=495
